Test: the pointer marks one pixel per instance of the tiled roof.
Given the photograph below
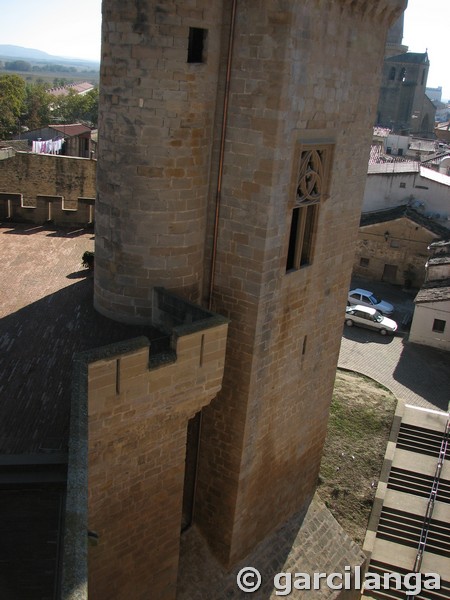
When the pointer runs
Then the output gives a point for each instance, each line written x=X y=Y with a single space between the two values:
x=79 y=88
x=409 y=57
x=71 y=130
x=381 y=131
x=434 y=291
x=435 y=176
x=401 y=212
x=393 y=167
x=424 y=145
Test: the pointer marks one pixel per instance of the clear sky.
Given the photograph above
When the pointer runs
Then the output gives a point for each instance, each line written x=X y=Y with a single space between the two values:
x=427 y=27
x=72 y=28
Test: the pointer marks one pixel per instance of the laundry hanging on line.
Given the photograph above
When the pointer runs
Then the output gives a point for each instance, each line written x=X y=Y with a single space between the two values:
x=48 y=146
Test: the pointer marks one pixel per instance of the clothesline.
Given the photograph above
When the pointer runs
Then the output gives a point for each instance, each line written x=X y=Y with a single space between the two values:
x=48 y=146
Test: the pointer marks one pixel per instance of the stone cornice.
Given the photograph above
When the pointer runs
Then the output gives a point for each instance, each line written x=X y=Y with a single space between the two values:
x=385 y=11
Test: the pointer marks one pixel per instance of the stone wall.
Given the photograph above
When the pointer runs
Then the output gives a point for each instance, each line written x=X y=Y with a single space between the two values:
x=402 y=244
x=155 y=138
x=37 y=188
x=303 y=82
x=302 y=77
x=137 y=447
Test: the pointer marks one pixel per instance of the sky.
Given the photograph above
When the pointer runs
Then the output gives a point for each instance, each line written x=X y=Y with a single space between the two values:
x=427 y=28
x=68 y=28
x=72 y=28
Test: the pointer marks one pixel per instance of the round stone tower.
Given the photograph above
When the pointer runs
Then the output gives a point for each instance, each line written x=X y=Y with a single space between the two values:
x=157 y=104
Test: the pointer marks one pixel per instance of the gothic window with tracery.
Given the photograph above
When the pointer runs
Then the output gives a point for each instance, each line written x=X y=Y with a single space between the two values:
x=311 y=189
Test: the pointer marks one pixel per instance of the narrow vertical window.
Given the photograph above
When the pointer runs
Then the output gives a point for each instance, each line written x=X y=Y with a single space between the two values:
x=202 y=349
x=118 y=376
x=311 y=189
x=197 y=43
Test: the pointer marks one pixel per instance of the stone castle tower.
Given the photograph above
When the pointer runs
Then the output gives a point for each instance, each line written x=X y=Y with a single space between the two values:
x=234 y=139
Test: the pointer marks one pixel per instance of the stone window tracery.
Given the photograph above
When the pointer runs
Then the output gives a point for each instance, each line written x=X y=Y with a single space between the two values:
x=312 y=184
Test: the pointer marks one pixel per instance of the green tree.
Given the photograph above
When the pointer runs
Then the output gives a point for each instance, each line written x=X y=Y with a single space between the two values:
x=77 y=108
x=37 y=110
x=18 y=65
x=12 y=103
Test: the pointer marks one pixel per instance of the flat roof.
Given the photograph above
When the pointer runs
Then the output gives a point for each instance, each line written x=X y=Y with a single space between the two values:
x=46 y=316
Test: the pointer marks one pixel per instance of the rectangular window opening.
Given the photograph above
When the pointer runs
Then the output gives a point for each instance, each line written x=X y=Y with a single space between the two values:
x=118 y=376
x=309 y=215
x=197 y=44
x=301 y=238
x=202 y=349
x=314 y=167
x=364 y=262
x=439 y=325
x=290 y=263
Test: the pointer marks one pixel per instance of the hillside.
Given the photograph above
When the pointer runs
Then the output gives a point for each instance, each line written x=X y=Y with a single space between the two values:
x=9 y=52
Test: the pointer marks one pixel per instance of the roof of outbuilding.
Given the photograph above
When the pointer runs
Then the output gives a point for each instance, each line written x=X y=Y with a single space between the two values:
x=71 y=130
x=434 y=291
x=78 y=88
x=393 y=167
x=402 y=212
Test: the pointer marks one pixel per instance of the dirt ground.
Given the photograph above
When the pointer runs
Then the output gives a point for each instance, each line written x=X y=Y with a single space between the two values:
x=358 y=431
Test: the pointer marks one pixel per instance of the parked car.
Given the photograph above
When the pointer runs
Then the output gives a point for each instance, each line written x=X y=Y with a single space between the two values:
x=366 y=298
x=371 y=318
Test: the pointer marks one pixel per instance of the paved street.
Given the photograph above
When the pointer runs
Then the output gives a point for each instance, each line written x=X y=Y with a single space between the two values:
x=415 y=374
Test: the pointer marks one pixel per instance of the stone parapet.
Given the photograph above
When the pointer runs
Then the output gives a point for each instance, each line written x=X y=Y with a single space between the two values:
x=40 y=188
x=132 y=414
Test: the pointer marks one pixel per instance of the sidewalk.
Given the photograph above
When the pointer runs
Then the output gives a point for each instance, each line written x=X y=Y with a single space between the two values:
x=415 y=374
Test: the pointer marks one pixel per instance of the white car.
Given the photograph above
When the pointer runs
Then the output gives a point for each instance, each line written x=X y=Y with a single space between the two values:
x=363 y=316
x=366 y=298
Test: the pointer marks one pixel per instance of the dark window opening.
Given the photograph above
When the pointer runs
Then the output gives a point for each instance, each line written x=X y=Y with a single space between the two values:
x=196 y=48
x=439 y=325
x=364 y=262
x=400 y=151
x=314 y=165
x=190 y=473
x=402 y=184
x=423 y=77
x=292 y=240
x=301 y=238
x=402 y=75
x=392 y=74
x=309 y=215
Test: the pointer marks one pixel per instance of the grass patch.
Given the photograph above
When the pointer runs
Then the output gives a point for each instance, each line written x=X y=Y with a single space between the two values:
x=360 y=421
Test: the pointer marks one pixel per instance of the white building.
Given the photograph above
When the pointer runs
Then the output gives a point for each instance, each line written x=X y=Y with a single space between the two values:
x=431 y=320
x=397 y=183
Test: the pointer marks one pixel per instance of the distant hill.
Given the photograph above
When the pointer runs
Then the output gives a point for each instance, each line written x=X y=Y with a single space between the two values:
x=33 y=55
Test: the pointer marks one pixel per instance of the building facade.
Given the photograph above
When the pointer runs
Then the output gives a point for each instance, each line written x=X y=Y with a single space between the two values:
x=393 y=245
x=403 y=105
x=233 y=147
